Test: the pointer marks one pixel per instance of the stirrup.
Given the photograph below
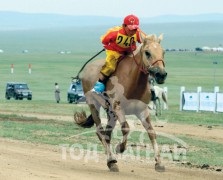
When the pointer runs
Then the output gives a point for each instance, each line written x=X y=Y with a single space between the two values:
x=99 y=87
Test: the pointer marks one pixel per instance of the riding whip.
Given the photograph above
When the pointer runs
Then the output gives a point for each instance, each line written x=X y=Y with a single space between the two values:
x=77 y=77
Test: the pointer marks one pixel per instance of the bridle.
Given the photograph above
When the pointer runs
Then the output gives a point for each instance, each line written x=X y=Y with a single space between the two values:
x=143 y=68
x=151 y=65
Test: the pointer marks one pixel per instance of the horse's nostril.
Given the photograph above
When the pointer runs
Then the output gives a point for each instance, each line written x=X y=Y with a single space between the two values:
x=158 y=75
x=161 y=75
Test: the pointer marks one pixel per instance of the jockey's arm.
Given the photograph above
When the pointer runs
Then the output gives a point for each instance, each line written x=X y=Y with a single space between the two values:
x=108 y=38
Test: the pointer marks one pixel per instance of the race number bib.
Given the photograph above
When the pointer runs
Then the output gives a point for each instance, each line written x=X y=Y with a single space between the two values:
x=125 y=41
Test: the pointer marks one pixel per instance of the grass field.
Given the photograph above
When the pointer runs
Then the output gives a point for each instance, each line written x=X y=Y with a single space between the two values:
x=187 y=69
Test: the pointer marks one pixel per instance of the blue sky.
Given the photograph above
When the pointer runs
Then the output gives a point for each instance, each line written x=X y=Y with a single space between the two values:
x=114 y=8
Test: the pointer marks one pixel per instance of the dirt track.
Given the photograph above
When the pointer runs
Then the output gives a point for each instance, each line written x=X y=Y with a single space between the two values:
x=23 y=160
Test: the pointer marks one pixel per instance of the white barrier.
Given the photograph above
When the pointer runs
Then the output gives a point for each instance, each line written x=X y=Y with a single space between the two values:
x=219 y=102
x=201 y=101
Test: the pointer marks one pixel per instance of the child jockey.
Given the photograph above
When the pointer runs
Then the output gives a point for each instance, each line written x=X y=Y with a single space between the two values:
x=118 y=42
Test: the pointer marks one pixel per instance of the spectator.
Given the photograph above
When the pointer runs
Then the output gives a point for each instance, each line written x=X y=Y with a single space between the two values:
x=57 y=93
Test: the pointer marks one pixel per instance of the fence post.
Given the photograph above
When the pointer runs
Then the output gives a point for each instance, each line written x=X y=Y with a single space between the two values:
x=30 y=68
x=216 y=90
x=12 y=68
x=182 y=89
x=199 y=89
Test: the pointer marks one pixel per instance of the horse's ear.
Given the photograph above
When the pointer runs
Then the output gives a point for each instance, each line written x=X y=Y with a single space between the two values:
x=145 y=40
x=160 y=38
x=148 y=38
x=151 y=37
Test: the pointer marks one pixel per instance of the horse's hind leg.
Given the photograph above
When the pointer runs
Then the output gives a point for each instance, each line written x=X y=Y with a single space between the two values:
x=111 y=161
x=121 y=147
x=104 y=138
x=146 y=122
x=112 y=119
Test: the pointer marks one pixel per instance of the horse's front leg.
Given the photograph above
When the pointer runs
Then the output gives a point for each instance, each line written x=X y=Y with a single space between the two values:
x=121 y=147
x=146 y=122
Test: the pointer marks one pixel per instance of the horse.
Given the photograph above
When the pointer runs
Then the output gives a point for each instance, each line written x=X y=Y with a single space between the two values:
x=127 y=92
x=156 y=103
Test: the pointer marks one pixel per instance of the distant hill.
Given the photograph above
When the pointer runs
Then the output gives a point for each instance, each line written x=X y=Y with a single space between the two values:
x=186 y=18
x=15 y=20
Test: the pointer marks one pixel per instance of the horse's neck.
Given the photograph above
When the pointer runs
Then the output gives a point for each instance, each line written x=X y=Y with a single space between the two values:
x=137 y=64
x=130 y=75
x=132 y=65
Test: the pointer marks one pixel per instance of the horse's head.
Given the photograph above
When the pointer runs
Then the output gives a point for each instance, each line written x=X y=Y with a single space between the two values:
x=153 y=57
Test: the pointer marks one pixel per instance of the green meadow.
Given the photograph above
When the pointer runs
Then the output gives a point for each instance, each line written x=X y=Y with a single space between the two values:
x=187 y=69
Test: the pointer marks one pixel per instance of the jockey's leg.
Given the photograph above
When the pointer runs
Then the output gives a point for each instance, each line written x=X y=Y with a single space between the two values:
x=107 y=69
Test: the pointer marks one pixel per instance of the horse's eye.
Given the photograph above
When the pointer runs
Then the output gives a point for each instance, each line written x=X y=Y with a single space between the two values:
x=148 y=55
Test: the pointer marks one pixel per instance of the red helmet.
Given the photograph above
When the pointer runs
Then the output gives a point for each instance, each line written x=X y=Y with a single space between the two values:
x=132 y=22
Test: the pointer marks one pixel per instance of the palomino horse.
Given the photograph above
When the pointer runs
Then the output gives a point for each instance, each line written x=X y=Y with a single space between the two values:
x=127 y=92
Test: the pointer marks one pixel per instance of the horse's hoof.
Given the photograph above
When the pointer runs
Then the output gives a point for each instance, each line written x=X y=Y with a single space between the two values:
x=120 y=148
x=159 y=168
x=113 y=167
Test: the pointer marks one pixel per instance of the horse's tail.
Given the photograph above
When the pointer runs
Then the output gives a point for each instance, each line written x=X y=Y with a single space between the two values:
x=82 y=120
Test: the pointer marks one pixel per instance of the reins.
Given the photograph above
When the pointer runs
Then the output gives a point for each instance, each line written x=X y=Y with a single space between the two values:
x=138 y=65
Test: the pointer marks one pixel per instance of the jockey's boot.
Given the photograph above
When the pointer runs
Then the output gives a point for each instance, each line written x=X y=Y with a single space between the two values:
x=99 y=87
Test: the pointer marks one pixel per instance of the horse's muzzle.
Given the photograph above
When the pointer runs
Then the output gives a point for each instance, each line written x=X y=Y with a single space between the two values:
x=159 y=74
x=160 y=77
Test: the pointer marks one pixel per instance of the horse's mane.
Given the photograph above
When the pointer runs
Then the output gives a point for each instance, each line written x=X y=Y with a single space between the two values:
x=151 y=38
x=136 y=51
x=154 y=38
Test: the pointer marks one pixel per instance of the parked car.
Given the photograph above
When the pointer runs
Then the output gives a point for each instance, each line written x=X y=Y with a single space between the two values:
x=75 y=93
x=17 y=91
